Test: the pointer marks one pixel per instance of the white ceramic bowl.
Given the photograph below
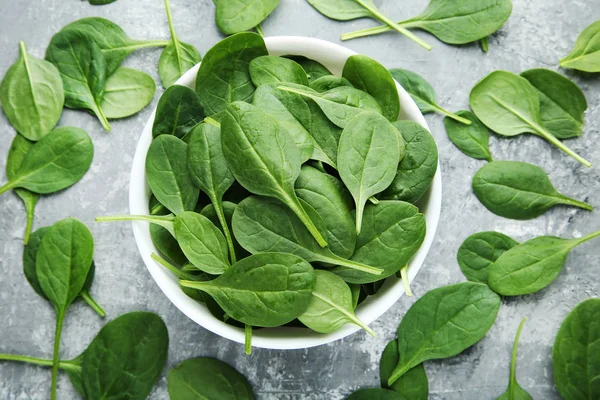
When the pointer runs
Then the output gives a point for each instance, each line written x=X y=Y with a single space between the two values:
x=333 y=57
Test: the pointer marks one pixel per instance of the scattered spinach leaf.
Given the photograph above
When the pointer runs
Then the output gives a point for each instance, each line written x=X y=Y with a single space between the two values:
x=177 y=112
x=585 y=56
x=31 y=95
x=515 y=391
x=238 y=16
x=272 y=69
x=480 y=251
x=509 y=105
x=127 y=92
x=413 y=385
x=518 y=190
x=443 y=323
x=575 y=355
x=423 y=93
x=473 y=140
x=533 y=265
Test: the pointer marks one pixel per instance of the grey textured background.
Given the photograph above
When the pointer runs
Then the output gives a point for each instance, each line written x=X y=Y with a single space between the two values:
x=538 y=34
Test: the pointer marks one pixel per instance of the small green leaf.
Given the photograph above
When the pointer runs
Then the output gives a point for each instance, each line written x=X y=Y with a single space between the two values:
x=473 y=140
x=586 y=53
x=127 y=92
x=480 y=251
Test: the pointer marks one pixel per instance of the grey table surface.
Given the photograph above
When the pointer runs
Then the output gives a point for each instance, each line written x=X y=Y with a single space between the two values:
x=538 y=34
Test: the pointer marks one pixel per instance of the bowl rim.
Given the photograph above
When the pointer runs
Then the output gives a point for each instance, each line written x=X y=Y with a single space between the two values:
x=332 y=56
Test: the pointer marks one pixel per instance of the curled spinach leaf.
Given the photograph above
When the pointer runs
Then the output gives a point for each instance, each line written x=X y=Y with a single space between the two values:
x=533 y=265
x=238 y=16
x=272 y=69
x=413 y=385
x=575 y=354
x=518 y=190
x=515 y=391
x=480 y=251
x=509 y=105
x=443 y=323
x=127 y=92
x=369 y=152
x=266 y=164
x=585 y=56
x=267 y=289
x=31 y=95
x=177 y=112
x=55 y=162
x=473 y=140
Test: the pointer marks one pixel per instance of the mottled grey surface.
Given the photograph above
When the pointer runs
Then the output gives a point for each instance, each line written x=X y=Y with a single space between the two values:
x=537 y=35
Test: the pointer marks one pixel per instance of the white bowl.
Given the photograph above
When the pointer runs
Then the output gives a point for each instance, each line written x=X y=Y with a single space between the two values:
x=333 y=57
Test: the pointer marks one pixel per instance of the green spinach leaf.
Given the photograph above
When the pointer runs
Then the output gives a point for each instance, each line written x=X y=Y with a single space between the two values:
x=562 y=103
x=82 y=68
x=368 y=75
x=263 y=158
x=16 y=154
x=413 y=385
x=418 y=167
x=267 y=289
x=585 y=56
x=518 y=190
x=575 y=354
x=392 y=233
x=314 y=69
x=207 y=378
x=263 y=225
x=127 y=92
x=100 y=2
x=55 y=162
x=31 y=95
x=443 y=323
x=533 y=265
x=238 y=16
x=515 y=391
x=168 y=174
x=328 y=82
x=228 y=210
x=423 y=93
x=331 y=305
x=509 y=105
x=224 y=75
x=272 y=69
x=369 y=152
x=480 y=251
x=473 y=140
x=178 y=111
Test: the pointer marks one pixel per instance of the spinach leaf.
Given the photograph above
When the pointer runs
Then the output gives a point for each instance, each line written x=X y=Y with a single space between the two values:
x=518 y=190
x=443 y=323
x=167 y=245
x=238 y=16
x=314 y=69
x=368 y=75
x=127 y=92
x=168 y=174
x=418 y=167
x=201 y=242
x=423 y=93
x=16 y=154
x=453 y=23
x=82 y=68
x=263 y=225
x=228 y=210
x=331 y=305
x=31 y=95
x=330 y=199
x=329 y=82
x=473 y=140
x=209 y=171
x=207 y=378
x=63 y=261
x=263 y=158
x=100 y=2
x=585 y=56
x=340 y=104
x=177 y=58
x=509 y=105
x=315 y=136
x=55 y=162
x=128 y=354
x=112 y=40
x=480 y=251
x=413 y=385
x=272 y=69
x=562 y=103
x=392 y=233
x=369 y=153
x=177 y=112
x=375 y=394
x=267 y=289
x=575 y=355
x=345 y=10
x=224 y=75
x=533 y=265
x=515 y=391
